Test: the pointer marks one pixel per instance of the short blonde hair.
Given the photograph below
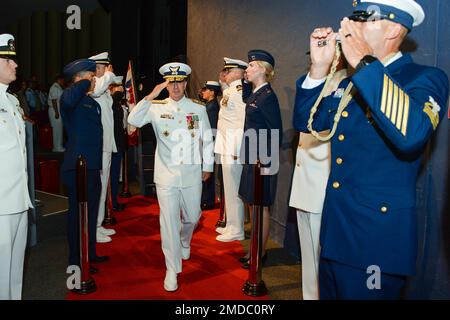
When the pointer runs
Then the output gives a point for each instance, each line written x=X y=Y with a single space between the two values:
x=269 y=71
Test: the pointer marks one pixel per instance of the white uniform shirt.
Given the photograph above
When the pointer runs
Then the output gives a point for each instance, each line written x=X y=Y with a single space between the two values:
x=103 y=97
x=14 y=196
x=185 y=140
x=55 y=93
x=230 y=127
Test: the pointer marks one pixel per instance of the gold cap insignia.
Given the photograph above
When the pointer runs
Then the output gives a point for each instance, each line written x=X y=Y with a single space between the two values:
x=174 y=70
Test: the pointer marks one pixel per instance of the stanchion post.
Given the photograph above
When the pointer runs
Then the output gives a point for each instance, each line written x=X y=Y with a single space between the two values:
x=255 y=286
x=109 y=219
x=87 y=283
x=125 y=191
x=221 y=223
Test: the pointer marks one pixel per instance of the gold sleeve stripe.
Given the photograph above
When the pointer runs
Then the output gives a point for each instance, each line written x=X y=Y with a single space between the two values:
x=405 y=115
x=395 y=104
x=401 y=107
x=389 y=99
x=385 y=89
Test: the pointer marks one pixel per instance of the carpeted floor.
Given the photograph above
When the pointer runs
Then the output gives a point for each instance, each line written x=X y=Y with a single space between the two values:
x=136 y=269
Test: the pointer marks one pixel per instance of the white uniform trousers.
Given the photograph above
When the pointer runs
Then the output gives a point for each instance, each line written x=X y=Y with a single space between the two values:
x=57 y=130
x=234 y=206
x=106 y=168
x=13 y=240
x=179 y=215
x=309 y=231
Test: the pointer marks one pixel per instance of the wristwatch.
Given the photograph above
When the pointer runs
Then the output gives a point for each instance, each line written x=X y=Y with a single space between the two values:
x=365 y=62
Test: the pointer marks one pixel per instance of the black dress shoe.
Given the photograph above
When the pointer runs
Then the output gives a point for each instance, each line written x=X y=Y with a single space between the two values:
x=244 y=259
x=93 y=270
x=119 y=207
x=246 y=265
x=99 y=259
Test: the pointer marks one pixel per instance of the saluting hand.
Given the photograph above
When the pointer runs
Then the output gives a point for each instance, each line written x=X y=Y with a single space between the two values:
x=354 y=46
x=110 y=68
x=322 y=56
x=157 y=90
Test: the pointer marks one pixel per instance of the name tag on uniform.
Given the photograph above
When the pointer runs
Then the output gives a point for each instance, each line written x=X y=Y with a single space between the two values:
x=3 y=111
x=339 y=93
x=167 y=116
x=87 y=106
x=253 y=105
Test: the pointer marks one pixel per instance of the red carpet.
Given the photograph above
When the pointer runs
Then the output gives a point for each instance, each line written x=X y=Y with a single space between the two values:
x=136 y=268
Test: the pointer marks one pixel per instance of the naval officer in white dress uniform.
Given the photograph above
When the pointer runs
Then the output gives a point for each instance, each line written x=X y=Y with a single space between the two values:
x=104 y=77
x=230 y=130
x=184 y=158
x=14 y=197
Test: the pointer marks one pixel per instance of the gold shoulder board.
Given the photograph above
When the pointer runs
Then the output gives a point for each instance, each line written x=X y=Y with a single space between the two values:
x=198 y=102
x=159 y=101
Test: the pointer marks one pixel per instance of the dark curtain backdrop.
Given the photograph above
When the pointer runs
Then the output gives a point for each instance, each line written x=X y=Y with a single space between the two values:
x=44 y=44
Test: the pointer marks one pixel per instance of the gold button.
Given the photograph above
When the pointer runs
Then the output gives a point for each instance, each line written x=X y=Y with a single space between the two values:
x=179 y=121
x=20 y=132
x=345 y=114
x=341 y=137
x=298 y=164
x=178 y=109
x=336 y=185
x=384 y=209
x=181 y=162
x=392 y=16
x=339 y=161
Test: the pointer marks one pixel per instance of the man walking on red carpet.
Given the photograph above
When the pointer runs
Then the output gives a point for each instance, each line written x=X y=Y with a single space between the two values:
x=184 y=158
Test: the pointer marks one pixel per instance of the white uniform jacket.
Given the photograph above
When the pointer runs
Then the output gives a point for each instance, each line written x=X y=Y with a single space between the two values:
x=230 y=127
x=103 y=97
x=14 y=196
x=311 y=173
x=185 y=140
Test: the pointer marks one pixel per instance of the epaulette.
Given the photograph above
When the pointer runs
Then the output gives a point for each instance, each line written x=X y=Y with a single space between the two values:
x=159 y=101
x=198 y=102
x=239 y=87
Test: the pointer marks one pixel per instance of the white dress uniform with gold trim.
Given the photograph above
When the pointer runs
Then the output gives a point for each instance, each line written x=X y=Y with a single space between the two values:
x=14 y=197
x=184 y=150
x=103 y=97
x=230 y=130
